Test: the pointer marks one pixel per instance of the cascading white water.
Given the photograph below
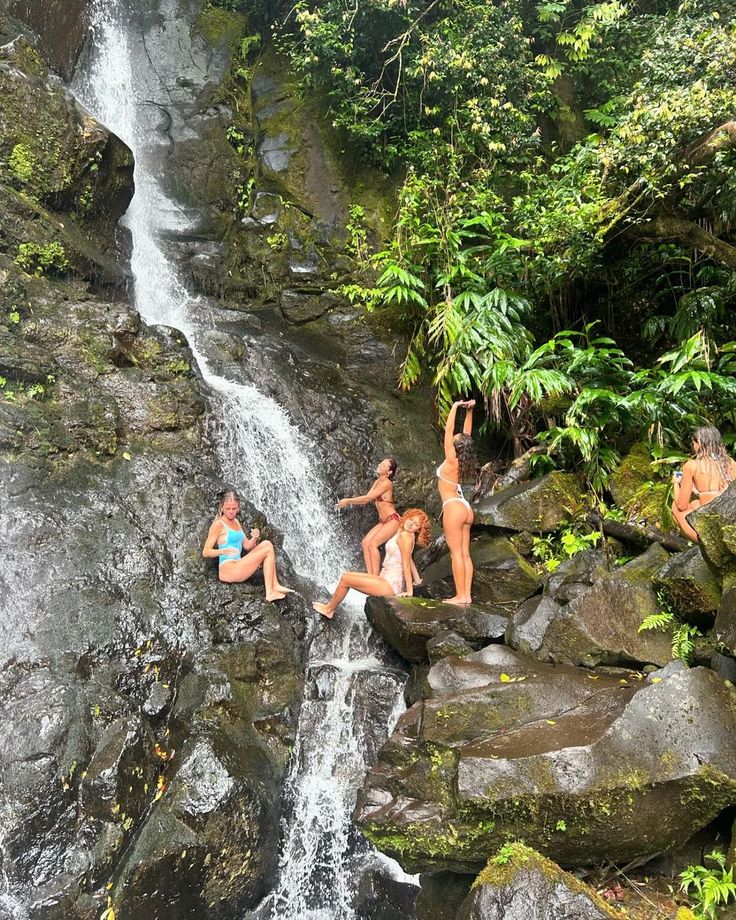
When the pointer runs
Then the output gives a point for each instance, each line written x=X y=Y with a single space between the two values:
x=261 y=448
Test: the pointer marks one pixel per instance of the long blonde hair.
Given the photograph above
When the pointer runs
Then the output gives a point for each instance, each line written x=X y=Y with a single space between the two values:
x=711 y=447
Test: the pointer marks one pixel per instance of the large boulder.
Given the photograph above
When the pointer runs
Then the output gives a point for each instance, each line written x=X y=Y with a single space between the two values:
x=408 y=623
x=716 y=527
x=637 y=492
x=724 y=628
x=687 y=584
x=502 y=576
x=582 y=766
x=520 y=884
x=599 y=625
x=538 y=506
x=61 y=26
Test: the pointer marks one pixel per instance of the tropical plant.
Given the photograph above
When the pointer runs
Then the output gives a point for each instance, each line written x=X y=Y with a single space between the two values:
x=711 y=888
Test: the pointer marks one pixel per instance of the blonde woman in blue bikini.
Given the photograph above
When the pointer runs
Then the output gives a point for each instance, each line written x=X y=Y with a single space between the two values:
x=458 y=466
x=225 y=542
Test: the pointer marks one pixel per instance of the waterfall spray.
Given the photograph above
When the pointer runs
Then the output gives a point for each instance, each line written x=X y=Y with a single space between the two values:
x=260 y=447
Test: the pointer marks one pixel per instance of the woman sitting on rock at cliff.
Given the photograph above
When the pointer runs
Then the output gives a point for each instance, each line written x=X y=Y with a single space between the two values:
x=459 y=465
x=389 y=520
x=396 y=575
x=706 y=476
x=225 y=542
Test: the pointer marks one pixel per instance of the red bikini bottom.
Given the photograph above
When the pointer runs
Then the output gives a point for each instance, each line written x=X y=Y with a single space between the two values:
x=391 y=517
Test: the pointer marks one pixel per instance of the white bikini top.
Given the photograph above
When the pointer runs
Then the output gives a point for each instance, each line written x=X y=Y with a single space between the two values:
x=449 y=481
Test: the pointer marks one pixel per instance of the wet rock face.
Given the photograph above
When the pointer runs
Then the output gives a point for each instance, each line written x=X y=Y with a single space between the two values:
x=61 y=26
x=582 y=766
x=519 y=884
x=150 y=708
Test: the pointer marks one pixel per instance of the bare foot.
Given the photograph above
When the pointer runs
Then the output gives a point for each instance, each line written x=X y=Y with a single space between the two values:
x=275 y=596
x=324 y=610
x=284 y=590
x=457 y=601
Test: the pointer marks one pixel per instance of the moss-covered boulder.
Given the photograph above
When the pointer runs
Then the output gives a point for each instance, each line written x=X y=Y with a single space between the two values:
x=538 y=506
x=724 y=629
x=599 y=625
x=582 y=766
x=51 y=149
x=687 y=584
x=502 y=576
x=636 y=490
x=716 y=527
x=408 y=623
x=520 y=884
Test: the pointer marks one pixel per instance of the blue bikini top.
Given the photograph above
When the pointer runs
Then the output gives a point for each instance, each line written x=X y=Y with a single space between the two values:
x=234 y=541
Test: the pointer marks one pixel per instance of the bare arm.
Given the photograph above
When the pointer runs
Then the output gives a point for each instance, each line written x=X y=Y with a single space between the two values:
x=468 y=423
x=210 y=550
x=376 y=491
x=684 y=489
x=450 y=432
x=406 y=545
x=255 y=536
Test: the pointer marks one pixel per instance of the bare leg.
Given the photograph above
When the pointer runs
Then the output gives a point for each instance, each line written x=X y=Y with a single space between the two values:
x=416 y=578
x=680 y=517
x=456 y=522
x=361 y=581
x=467 y=562
x=374 y=539
x=242 y=569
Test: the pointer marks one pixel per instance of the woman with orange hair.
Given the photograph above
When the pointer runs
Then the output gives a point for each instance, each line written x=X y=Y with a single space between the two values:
x=395 y=578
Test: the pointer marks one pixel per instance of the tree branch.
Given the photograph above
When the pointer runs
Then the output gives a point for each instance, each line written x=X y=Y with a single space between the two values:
x=670 y=227
x=712 y=143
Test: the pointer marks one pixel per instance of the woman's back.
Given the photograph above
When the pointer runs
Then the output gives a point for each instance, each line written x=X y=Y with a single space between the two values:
x=712 y=477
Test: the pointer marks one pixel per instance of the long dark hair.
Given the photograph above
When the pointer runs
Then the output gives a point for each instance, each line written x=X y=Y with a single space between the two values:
x=393 y=467
x=711 y=447
x=467 y=458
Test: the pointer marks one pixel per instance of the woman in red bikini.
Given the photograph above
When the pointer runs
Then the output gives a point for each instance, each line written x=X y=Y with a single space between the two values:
x=706 y=476
x=389 y=521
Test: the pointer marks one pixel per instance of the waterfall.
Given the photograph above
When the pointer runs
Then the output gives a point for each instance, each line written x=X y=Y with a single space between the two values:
x=260 y=447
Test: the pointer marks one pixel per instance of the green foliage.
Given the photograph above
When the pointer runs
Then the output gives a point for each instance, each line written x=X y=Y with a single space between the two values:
x=710 y=888
x=564 y=245
x=22 y=163
x=552 y=551
x=505 y=855
x=42 y=259
x=683 y=634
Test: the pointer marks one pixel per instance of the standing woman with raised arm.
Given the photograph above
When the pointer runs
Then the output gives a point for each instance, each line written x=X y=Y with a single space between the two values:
x=459 y=465
x=382 y=493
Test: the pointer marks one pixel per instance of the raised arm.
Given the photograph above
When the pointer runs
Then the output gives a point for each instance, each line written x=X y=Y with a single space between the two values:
x=406 y=545
x=468 y=423
x=375 y=492
x=450 y=431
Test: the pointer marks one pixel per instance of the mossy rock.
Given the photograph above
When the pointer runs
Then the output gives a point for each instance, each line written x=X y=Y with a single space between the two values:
x=537 y=506
x=518 y=876
x=715 y=524
x=631 y=474
x=688 y=585
x=581 y=766
x=636 y=491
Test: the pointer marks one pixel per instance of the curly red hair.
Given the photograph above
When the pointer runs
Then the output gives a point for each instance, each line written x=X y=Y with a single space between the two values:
x=424 y=534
